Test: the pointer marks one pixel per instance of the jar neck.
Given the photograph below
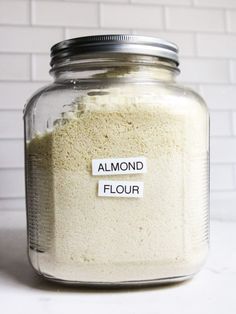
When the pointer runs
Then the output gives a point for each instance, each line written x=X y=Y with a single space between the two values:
x=115 y=67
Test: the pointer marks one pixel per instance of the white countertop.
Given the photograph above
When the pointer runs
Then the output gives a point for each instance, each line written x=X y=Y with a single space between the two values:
x=213 y=290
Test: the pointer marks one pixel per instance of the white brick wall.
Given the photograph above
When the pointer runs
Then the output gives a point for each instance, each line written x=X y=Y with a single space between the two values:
x=59 y=13
x=19 y=69
x=216 y=45
x=14 y=12
x=205 y=31
x=194 y=19
x=220 y=125
x=222 y=177
x=131 y=16
x=11 y=154
x=203 y=70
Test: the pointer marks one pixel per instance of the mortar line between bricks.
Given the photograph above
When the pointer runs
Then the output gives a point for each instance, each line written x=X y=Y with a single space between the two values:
x=59 y=27
x=229 y=111
x=11 y=168
x=207 y=84
x=209 y=7
x=213 y=137
x=11 y=210
x=223 y=190
x=147 y=3
x=189 y=6
x=27 y=53
x=94 y=2
x=15 y=197
x=24 y=81
x=12 y=139
x=174 y=31
x=169 y=5
x=202 y=58
x=10 y=110
x=2 y=198
x=220 y=136
x=43 y=26
x=223 y=164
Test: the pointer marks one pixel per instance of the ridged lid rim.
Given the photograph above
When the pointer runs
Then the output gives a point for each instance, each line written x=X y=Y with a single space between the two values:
x=115 y=43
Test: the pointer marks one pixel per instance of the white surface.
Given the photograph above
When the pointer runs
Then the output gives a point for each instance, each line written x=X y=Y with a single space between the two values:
x=212 y=291
x=203 y=29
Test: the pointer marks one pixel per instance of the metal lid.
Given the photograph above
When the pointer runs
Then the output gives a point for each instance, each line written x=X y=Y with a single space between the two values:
x=119 y=43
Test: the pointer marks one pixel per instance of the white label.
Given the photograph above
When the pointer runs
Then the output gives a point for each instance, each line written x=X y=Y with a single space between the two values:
x=109 y=188
x=115 y=166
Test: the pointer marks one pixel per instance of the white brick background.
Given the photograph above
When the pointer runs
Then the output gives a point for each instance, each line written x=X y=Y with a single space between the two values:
x=205 y=31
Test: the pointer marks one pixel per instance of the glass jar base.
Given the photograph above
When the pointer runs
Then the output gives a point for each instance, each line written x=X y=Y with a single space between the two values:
x=119 y=284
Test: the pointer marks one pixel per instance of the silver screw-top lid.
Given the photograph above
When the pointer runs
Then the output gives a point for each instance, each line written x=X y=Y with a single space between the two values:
x=119 y=43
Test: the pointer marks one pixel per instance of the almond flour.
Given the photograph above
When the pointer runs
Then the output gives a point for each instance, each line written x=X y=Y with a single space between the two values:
x=80 y=236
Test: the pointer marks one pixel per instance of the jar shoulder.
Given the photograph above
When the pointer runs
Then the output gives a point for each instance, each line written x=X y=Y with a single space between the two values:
x=34 y=98
x=180 y=90
x=59 y=94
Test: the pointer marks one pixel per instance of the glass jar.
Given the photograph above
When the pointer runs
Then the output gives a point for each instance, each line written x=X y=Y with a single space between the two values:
x=116 y=161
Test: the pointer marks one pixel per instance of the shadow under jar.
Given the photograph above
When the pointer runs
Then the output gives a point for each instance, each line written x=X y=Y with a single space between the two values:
x=116 y=160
